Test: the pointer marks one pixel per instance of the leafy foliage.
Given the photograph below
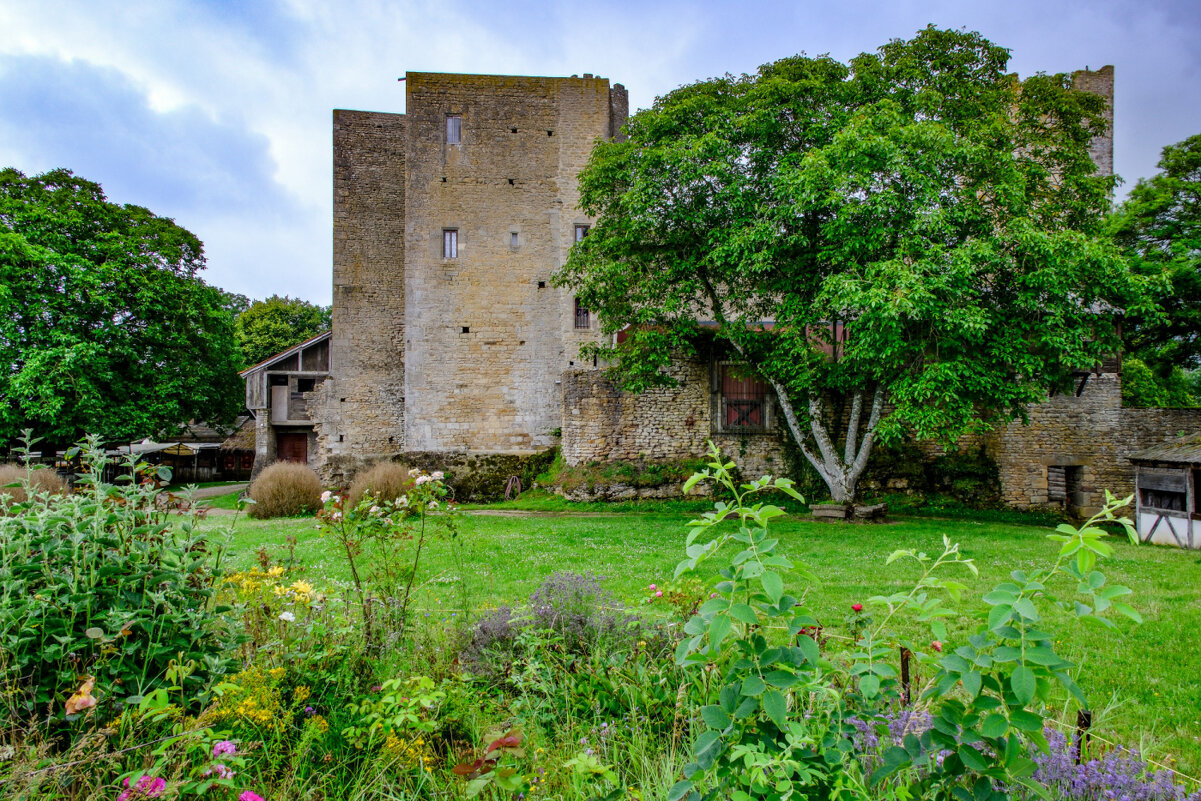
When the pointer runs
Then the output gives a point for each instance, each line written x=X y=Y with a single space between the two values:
x=105 y=324
x=1142 y=387
x=788 y=718
x=1159 y=228
x=266 y=327
x=916 y=227
x=103 y=600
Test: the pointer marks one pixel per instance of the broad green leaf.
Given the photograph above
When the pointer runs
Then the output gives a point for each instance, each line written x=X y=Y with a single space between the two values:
x=1023 y=683
x=776 y=707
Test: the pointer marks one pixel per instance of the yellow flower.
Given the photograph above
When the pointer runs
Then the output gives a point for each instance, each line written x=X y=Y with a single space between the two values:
x=275 y=572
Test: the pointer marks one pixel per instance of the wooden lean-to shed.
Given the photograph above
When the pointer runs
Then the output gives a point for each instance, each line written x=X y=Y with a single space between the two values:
x=1167 y=478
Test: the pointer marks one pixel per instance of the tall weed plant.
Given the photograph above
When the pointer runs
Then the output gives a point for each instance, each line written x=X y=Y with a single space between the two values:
x=100 y=594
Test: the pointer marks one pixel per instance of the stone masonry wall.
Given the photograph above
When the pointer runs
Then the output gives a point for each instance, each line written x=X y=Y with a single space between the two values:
x=603 y=424
x=1091 y=431
x=359 y=411
x=1099 y=82
x=487 y=336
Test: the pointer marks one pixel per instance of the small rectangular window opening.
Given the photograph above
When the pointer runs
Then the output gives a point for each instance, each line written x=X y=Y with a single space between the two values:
x=581 y=231
x=306 y=384
x=450 y=243
x=582 y=317
x=454 y=129
x=513 y=238
x=466 y=329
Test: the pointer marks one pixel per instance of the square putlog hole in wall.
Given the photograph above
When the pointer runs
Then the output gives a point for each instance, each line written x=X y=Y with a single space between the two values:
x=466 y=329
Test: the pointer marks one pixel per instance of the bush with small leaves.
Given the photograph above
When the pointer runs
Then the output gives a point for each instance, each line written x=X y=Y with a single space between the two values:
x=41 y=480
x=386 y=481
x=285 y=489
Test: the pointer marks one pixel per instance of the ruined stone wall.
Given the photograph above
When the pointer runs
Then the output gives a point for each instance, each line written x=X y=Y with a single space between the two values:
x=487 y=336
x=603 y=424
x=359 y=411
x=1091 y=431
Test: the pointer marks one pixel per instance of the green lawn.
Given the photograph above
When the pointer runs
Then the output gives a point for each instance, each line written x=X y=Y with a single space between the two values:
x=1144 y=681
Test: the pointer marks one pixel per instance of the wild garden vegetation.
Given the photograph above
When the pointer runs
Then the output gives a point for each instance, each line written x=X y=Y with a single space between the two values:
x=400 y=648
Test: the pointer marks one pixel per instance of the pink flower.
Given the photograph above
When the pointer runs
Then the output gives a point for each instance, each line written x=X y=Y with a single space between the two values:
x=224 y=747
x=937 y=646
x=147 y=787
x=221 y=770
x=250 y=795
x=652 y=586
x=659 y=594
x=856 y=607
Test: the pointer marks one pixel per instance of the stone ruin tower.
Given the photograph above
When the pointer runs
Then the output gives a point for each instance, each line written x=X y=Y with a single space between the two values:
x=449 y=221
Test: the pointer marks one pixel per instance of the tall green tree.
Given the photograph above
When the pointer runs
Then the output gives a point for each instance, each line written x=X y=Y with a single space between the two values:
x=942 y=215
x=1159 y=228
x=265 y=327
x=105 y=324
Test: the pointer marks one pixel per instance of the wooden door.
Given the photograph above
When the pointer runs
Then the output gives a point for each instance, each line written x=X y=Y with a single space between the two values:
x=292 y=447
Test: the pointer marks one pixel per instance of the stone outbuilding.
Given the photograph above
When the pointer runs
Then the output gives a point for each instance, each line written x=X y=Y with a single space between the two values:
x=1167 y=478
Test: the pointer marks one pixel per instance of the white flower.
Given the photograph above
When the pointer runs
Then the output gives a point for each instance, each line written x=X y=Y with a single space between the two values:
x=413 y=472
x=374 y=510
x=438 y=475
x=422 y=479
x=336 y=515
x=402 y=501
x=433 y=504
x=287 y=617
x=325 y=496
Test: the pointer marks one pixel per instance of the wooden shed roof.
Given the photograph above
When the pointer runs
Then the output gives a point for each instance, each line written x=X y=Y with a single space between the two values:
x=283 y=354
x=1184 y=451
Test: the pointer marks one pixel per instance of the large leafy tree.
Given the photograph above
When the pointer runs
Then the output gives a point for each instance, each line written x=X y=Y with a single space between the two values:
x=105 y=324
x=936 y=216
x=1159 y=227
x=268 y=326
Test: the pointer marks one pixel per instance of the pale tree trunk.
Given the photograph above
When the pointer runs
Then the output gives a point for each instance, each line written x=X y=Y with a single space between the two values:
x=840 y=471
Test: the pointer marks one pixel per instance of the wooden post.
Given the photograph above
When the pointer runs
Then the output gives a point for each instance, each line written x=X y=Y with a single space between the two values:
x=1084 y=721
x=905 y=683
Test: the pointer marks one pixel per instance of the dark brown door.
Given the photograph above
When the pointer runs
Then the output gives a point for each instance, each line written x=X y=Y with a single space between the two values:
x=292 y=447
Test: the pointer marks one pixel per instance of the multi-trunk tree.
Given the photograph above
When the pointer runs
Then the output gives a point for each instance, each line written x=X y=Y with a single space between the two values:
x=913 y=237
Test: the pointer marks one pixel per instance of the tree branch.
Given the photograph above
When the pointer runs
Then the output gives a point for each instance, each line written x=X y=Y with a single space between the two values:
x=820 y=435
x=853 y=427
x=865 y=449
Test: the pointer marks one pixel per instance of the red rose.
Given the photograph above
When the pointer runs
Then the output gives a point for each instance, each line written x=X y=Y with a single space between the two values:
x=856 y=607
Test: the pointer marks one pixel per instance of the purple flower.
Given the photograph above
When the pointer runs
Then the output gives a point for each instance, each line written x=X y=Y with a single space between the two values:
x=250 y=795
x=147 y=787
x=308 y=710
x=223 y=748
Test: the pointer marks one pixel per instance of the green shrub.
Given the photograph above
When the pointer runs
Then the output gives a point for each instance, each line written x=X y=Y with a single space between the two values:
x=285 y=489
x=101 y=598
x=385 y=480
x=41 y=480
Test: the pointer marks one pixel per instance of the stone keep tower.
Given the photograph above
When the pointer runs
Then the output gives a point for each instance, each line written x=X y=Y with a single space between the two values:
x=448 y=223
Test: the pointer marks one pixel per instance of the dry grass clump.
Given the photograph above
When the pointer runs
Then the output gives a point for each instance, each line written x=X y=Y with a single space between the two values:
x=386 y=481
x=44 y=480
x=285 y=489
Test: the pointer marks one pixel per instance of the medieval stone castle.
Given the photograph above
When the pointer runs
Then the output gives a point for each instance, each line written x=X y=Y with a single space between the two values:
x=450 y=345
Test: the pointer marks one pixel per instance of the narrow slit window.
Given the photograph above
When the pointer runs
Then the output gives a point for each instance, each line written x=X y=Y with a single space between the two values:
x=513 y=238
x=582 y=316
x=454 y=129
x=450 y=243
x=581 y=231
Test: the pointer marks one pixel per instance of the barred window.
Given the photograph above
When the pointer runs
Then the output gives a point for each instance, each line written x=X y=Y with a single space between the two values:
x=743 y=399
x=582 y=317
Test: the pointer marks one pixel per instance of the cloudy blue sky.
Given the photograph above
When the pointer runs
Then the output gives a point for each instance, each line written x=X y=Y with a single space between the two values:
x=218 y=113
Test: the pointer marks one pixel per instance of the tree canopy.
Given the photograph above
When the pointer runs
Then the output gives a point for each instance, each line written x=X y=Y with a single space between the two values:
x=939 y=217
x=105 y=324
x=268 y=326
x=1159 y=228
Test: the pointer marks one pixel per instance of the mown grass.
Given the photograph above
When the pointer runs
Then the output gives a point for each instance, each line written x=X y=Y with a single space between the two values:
x=1143 y=681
